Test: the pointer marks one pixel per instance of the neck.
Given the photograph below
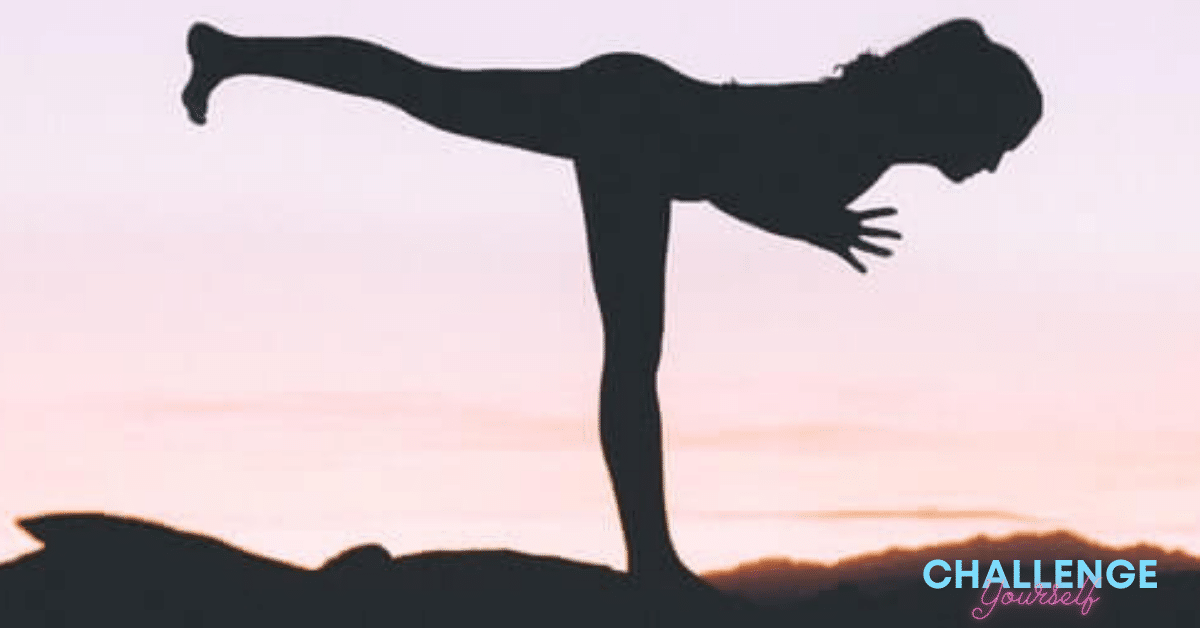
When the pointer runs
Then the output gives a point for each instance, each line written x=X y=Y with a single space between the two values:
x=875 y=126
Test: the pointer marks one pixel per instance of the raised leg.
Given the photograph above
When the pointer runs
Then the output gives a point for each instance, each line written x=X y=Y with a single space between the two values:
x=537 y=110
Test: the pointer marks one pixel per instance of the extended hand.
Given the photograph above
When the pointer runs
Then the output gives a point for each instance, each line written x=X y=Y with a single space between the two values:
x=841 y=232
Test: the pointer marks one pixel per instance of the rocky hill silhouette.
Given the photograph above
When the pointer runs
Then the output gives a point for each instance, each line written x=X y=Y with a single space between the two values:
x=102 y=570
x=781 y=580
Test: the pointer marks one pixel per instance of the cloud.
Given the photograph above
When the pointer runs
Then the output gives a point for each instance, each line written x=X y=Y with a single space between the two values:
x=916 y=514
x=825 y=437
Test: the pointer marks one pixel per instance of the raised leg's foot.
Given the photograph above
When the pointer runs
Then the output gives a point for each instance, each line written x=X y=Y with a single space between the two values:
x=208 y=48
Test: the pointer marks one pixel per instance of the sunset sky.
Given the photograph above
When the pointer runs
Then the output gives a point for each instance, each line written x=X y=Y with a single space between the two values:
x=317 y=321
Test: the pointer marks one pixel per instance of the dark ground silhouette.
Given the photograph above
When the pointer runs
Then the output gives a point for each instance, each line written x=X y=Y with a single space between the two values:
x=99 y=571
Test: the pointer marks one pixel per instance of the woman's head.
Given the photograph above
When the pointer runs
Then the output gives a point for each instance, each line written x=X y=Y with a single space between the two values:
x=956 y=99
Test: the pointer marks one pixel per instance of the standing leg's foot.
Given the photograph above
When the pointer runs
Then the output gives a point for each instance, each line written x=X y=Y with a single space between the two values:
x=208 y=48
x=664 y=571
x=684 y=598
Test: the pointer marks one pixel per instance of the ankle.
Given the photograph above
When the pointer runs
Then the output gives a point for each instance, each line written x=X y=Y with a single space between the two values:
x=660 y=569
x=212 y=48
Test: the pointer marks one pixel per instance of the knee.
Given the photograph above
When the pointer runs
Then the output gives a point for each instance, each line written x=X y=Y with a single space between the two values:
x=632 y=358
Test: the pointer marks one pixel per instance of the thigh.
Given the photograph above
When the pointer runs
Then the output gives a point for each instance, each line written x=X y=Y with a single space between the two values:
x=627 y=222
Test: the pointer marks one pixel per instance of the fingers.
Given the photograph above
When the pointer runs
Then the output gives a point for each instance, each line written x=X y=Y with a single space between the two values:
x=876 y=213
x=880 y=233
x=863 y=245
x=847 y=255
x=875 y=232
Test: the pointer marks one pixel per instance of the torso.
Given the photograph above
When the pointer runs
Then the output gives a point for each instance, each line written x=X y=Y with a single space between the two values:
x=761 y=153
x=785 y=144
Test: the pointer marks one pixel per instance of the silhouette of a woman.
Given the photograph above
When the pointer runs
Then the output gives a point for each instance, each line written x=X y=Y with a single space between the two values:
x=787 y=158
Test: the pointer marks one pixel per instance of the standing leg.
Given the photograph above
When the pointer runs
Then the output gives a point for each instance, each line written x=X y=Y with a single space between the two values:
x=537 y=110
x=627 y=227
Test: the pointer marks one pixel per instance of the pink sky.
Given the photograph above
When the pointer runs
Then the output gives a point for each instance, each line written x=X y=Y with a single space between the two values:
x=295 y=329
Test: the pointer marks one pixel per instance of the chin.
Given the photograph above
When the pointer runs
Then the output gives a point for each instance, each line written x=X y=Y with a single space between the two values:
x=958 y=176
